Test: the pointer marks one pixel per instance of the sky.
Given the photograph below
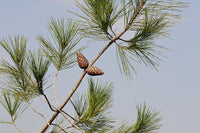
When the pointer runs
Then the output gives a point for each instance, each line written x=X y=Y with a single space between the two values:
x=173 y=90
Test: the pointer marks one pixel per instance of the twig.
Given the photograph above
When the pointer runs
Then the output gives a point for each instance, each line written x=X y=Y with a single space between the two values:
x=110 y=37
x=68 y=115
x=68 y=127
x=13 y=122
x=54 y=91
x=37 y=111
x=64 y=114
x=124 y=40
x=124 y=47
x=47 y=101
x=112 y=31
x=65 y=128
x=56 y=108
x=74 y=125
x=132 y=19
x=59 y=127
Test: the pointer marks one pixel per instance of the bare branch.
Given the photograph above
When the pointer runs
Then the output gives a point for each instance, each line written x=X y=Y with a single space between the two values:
x=55 y=108
x=54 y=91
x=47 y=101
x=37 y=111
x=13 y=122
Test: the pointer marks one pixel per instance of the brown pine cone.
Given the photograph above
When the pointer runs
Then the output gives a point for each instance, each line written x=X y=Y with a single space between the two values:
x=94 y=71
x=82 y=61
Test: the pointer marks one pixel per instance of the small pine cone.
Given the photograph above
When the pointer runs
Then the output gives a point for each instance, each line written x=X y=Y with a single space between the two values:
x=82 y=61
x=94 y=71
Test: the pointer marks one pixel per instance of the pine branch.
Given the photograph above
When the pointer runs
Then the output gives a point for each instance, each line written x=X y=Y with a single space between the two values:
x=76 y=86
x=91 y=108
x=93 y=61
x=14 y=106
x=133 y=18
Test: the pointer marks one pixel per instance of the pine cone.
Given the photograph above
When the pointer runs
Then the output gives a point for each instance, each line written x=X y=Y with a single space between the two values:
x=94 y=71
x=82 y=61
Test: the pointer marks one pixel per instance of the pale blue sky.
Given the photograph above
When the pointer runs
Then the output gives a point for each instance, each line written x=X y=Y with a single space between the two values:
x=174 y=90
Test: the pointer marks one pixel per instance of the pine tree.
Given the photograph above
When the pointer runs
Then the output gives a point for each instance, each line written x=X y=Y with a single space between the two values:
x=25 y=74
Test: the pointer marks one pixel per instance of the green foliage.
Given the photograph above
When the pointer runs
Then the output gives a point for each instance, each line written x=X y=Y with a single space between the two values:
x=148 y=120
x=136 y=8
x=16 y=48
x=152 y=28
x=144 y=21
x=99 y=16
x=145 y=52
x=39 y=66
x=13 y=105
x=91 y=109
x=17 y=80
x=65 y=37
x=148 y=20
